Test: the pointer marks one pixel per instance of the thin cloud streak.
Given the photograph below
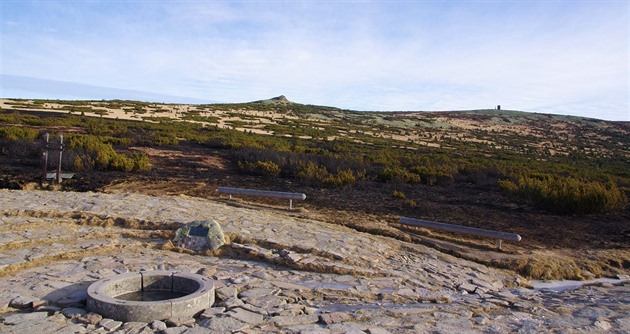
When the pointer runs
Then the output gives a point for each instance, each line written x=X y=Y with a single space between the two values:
x=559 y=57
x=34 y=87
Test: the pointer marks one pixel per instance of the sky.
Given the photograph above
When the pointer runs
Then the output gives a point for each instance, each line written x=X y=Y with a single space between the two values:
x=545 y=56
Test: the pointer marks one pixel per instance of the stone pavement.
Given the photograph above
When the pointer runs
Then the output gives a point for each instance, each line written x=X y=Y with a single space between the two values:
x=281 y=273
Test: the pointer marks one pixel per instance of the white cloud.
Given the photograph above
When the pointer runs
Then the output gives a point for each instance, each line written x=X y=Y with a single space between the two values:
x=545 y=57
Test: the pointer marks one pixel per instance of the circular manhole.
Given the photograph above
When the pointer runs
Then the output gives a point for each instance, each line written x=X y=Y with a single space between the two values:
x=150 y=295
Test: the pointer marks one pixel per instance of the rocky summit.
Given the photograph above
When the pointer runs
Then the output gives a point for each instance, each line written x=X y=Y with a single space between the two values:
x=279 y=272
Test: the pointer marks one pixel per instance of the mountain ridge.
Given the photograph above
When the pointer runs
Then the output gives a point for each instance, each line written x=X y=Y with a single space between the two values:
x=283 y=101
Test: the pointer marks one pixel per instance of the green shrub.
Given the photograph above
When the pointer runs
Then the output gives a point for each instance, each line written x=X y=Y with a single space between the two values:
x=313 y=166
x=342 y=178
x=121 y=162
x=311 y=171
x=141 y=162
x=91 y=152
x=409 y=204
x=18 y=133
x=398 y=194
x=98 y=127
x=398 y=174
x=164 y=138
x=433 y=176
x=264 y=168
x=567 y=195
x=78 y=164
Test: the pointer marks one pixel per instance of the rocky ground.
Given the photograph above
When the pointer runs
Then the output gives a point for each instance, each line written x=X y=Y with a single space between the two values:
x=282 y=272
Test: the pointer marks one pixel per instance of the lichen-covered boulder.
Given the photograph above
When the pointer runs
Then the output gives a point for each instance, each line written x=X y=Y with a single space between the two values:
x=200 y=235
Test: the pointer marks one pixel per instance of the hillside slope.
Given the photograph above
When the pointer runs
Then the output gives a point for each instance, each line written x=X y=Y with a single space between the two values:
x=540 y=135
x=560 y=182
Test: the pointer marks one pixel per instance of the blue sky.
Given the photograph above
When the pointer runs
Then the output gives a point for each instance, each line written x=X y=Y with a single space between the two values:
x=562 y=57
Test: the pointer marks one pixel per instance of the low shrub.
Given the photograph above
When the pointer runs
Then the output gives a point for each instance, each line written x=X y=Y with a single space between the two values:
x=20 y=148
x=18 y=133
x=307 y=167
x=311 y=171
x=433 y=176
x=341 y=178
x=398 y=174
x=91 y=152
x=398 y=194
x=567 y=195
x=409 y=204
x=264 y=168
x=141 y=162
x=164 y=138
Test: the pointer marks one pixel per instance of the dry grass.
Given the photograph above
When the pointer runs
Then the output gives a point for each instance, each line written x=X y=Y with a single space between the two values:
x=557 y=267
x=91 y=219
x=548 y=268
x=145 y=240
x=13 y=269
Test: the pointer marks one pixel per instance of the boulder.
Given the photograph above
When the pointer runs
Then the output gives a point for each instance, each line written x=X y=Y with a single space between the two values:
x=200 y=235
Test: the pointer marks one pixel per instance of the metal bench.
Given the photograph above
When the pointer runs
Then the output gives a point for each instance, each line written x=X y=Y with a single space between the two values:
x=462 y=229
x=263 y=193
